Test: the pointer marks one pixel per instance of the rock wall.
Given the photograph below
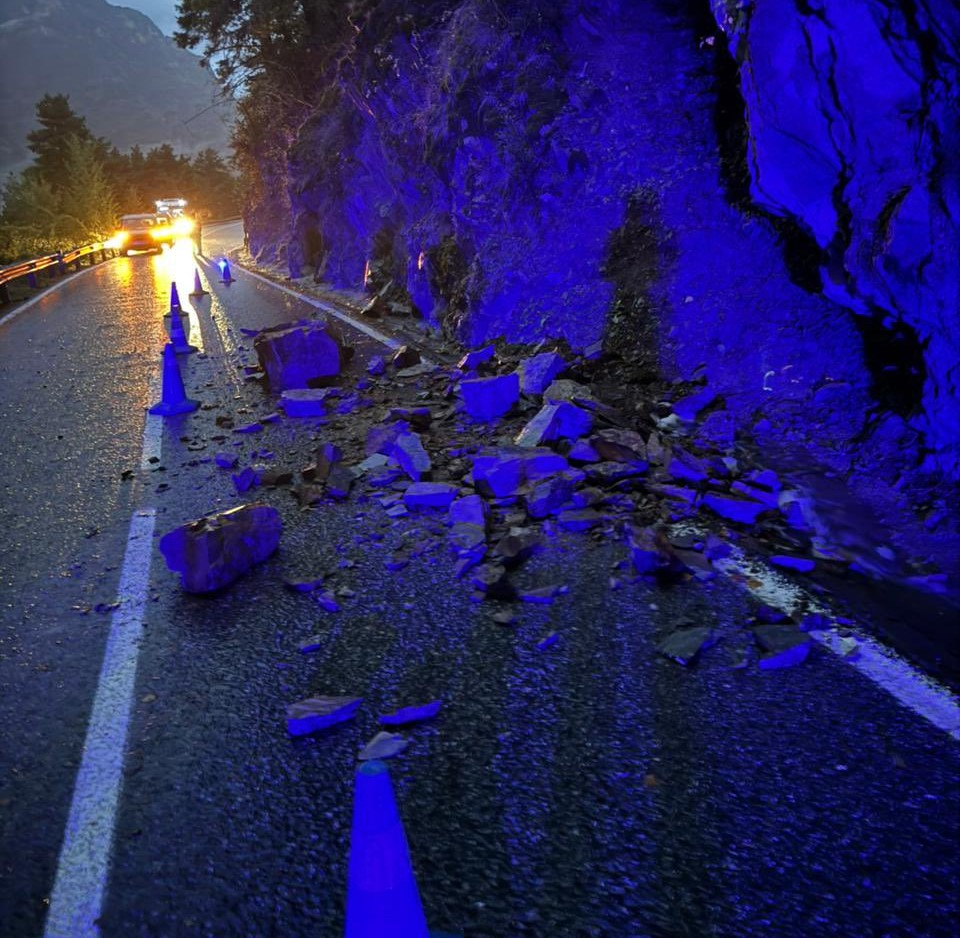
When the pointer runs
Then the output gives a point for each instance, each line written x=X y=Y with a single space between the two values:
x=531 y=169
x=853 y=112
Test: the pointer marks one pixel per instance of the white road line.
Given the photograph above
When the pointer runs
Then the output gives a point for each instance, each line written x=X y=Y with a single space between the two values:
x=56 y=286
x=82 y=870
x=875 y=661
x=332 y=310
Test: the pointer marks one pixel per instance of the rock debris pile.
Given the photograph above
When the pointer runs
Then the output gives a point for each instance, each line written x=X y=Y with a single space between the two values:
x=500 y=454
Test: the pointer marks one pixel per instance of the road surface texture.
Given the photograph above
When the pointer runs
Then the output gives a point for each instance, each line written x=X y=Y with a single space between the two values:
x=592 y=788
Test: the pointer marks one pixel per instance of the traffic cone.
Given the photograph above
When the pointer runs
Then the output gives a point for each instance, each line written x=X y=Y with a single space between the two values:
x=174 y=398
x=178 y=338
x=175 y=306
x=382 y=897
x=197 y=286
x=224 y=265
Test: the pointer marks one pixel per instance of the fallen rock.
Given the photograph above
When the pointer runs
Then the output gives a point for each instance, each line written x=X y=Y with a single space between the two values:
x=376 y=366
x=303 y=586
x=684 y=645
x=499 y=473
x=580 y=519
x=226 y=460
x=305 y=402
x=548 y=641
x=339 y=481
x=647 y=551
x=617 y=445
x=430 y=495
x=785 y=646
x=383 y=746
x=547 y=497
x=734 y=508
x=473 y=360
x=411 y=714
x=295 y=354
x=414 y=460
x=566 y=390
x=516 y=547
x=800 y=564
x=491 y=579
x=317 y=713
x=212 y=552
x=382 y=437
x=405 y=357
x=470 y=509
x=688 y=407
x=582 y=452
x=558 y=421
x=537 y=373
x=685 y=466
x=488 y=398
x=325 y=457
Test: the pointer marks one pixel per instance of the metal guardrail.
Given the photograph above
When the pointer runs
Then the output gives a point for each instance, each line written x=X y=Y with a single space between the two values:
x=60 y=260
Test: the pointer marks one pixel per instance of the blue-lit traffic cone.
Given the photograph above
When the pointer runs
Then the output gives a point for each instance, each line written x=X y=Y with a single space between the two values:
x=382 y=897
x=175 y=306
x=174 y=398
x=178 y=338
x=197 y=285
x=225 y=275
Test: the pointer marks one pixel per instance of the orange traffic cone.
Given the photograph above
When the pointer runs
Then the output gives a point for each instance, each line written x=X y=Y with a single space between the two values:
x=178 y=338
x=197 y=286
x=174 y=398
x=382 y=897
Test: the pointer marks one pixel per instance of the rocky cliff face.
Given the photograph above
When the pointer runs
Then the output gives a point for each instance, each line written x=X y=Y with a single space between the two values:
x=853 y=113
x=571 y=169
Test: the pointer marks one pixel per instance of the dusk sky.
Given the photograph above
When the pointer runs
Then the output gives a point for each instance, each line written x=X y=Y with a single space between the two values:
x=162 y=12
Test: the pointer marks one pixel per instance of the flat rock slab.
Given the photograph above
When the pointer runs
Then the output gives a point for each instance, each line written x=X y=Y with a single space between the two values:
x=383 y=746
x=430 y=495
x=414 y=460
x=212 y=552
x=684 y=645
x=317 y=713
x=470 y=509
x=800 y=564
x=295 y=354
x=412 y=714
x=489 y=398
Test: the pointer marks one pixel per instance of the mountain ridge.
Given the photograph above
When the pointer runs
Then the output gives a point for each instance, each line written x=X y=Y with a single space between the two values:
x=132 y=83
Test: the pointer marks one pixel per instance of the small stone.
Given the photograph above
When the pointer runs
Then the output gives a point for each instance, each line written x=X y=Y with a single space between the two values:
x=430 y=495
x=514 y=548
x=311 y=645
x=785 y=646
x=504 y=618
x=617 y=445
x=317 y=713
x=413 y=458
x=383 y=746
x=339 y=481
x=582 y=452
x=249 y=428
x=405 y=357
x=327 y=601
x=684 y=645
x=303 y=586
x=226 y=460
x=542 y=595
x=733 y=508
x=548 y=641
x=555 y=422
x=247 y=479
x=412 y=714
x=799 y=564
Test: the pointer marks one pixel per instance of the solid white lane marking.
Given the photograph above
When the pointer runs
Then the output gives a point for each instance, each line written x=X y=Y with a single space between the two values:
x=333 y=311
x=874 y=660
x=83 y=866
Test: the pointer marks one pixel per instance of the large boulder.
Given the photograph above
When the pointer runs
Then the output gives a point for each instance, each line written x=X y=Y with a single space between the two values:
x=298 y=354
x=212 y=552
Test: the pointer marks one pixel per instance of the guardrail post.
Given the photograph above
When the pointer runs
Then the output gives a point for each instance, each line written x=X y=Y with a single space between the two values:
x=60 y=264
x=32 y=280
x=4 y=295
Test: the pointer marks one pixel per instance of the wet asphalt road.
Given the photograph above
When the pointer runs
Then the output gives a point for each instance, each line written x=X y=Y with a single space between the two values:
x=592 y=789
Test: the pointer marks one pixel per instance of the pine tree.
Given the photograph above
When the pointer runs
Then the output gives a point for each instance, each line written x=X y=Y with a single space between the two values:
x=50 y=142
x=88 y=199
